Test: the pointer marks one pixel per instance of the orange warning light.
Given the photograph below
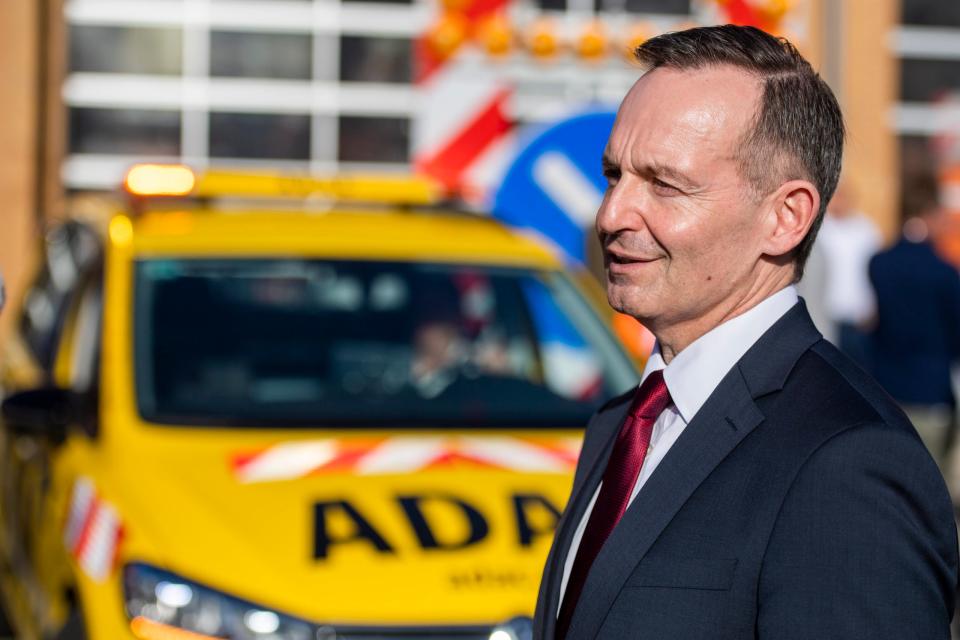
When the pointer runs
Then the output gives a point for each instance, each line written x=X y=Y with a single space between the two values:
x=592 y=43
x=447 y=35
x=542 y=39
x=636 y=36
x=495 y=35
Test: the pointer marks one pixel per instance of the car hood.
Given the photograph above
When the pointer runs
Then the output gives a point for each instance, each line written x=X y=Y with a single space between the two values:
x=375 y=529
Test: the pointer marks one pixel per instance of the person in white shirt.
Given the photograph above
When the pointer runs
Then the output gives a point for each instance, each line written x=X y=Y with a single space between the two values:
x=757 y=485
x=848 y=239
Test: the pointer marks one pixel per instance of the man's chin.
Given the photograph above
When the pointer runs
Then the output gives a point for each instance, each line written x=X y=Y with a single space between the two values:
x=630 y=301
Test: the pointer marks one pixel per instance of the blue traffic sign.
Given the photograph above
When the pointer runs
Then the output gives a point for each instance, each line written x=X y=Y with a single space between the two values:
x=556 y=183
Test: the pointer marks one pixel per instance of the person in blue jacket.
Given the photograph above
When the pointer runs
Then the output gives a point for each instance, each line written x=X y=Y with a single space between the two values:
x=917 y=334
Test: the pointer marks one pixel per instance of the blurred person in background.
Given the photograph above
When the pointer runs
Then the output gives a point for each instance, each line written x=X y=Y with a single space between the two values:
x=813 y=289
x=848 y=240
x=917 y=335
x=440 y=352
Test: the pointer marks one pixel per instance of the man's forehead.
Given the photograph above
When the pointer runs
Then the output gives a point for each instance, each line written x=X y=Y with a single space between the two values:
x=713 y=105
x=712 y=82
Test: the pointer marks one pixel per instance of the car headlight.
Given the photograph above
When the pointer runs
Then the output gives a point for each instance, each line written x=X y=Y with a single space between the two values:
x=160 y=603
x=519 y=628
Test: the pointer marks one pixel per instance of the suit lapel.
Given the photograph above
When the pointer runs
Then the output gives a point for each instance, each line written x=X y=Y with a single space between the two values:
x=726 y=418
x=603 y=431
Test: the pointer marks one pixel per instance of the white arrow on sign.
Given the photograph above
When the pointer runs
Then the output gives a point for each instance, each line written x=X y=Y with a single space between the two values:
x=568 y=187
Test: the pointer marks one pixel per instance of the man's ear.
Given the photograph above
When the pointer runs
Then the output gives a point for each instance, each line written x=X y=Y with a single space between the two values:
x=792 y=209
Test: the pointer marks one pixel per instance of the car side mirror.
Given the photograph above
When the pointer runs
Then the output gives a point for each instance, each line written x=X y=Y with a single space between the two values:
x=45 y=412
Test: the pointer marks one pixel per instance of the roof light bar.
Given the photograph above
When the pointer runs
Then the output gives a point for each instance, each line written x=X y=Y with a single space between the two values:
x=159 y=180
x=400 y=189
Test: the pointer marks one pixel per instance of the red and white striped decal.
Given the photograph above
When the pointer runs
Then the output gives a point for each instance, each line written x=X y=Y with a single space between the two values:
x=404 y=454
x=93 y=531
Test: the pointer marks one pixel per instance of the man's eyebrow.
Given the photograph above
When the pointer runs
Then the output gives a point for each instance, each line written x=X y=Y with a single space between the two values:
x=656 y=170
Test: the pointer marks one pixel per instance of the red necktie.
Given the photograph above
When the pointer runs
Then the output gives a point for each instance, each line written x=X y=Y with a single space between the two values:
x=618 y=480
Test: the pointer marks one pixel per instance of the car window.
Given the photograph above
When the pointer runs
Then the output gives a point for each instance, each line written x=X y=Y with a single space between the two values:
x=280 y=342
x=77 y=363
x=69 y=250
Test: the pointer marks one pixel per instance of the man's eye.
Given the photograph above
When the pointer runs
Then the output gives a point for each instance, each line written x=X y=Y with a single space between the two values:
x=612 y=177
x=664 y=187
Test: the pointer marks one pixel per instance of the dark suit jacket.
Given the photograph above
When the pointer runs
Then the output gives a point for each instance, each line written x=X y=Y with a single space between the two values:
x=798 y=503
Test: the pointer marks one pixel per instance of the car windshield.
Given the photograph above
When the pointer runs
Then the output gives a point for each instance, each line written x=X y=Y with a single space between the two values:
x=268 y=342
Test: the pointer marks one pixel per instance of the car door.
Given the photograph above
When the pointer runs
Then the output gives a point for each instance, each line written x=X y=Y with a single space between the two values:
x=59 y=327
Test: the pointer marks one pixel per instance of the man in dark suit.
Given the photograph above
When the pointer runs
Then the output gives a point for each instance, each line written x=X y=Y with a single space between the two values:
x=917 y=336
x=756 y=485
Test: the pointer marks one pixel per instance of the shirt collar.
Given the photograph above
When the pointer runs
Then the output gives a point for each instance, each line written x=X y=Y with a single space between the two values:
x=695 y=372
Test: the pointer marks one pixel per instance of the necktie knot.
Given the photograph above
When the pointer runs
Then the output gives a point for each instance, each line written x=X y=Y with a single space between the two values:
x=651 y=398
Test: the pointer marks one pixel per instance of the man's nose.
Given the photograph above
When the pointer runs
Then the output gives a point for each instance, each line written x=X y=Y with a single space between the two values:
x=621 y=208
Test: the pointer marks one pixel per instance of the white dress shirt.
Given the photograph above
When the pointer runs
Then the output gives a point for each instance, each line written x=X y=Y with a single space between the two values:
x=691 y=378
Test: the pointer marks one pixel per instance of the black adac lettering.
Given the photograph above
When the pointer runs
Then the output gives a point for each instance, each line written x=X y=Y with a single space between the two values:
x=525 y=506
x=412 y=507
x=362 y=529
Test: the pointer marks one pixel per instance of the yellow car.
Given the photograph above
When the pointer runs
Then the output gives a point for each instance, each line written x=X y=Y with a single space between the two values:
x=297 y=421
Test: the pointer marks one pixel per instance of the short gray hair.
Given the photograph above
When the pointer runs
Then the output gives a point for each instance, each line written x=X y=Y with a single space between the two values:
x=798 y=131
